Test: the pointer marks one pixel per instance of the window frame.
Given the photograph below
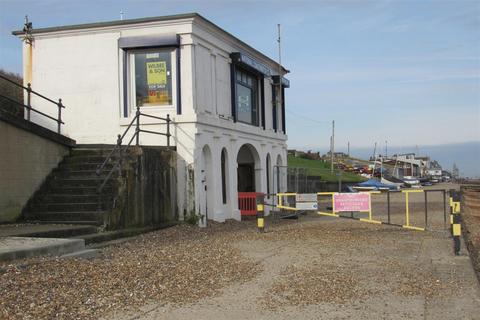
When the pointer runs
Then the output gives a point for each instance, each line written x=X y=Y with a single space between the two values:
x=129 y=84
x=255 y=87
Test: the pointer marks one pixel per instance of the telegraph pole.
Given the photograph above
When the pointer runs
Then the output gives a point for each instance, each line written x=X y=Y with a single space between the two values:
x=332 y=146
x=279 y=95
x=386 y=154
x=348 y=149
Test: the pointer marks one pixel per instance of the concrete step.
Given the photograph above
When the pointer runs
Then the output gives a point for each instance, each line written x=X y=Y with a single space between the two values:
x=88 y=159
x=66 y=217
x=84 y=166
x=46 y=230
x=72 y=222
x=83 y=254
x=95 y=240
x=86 y=151
x=73 y=198
x=76 y=190
x=12 y=248
x=78 y=182
x=63 y=207
x=67 y=173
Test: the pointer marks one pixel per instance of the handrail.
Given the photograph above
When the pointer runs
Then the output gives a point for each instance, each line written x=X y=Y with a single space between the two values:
x=121 y=149
x=29 y=89
x=119 y=138
x=155 y=117
x=28 y=106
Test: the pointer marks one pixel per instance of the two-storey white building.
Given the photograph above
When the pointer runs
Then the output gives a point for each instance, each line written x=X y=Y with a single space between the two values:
x=223 y=96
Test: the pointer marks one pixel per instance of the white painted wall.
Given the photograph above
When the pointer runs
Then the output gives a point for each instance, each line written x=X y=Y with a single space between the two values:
x=85 y=68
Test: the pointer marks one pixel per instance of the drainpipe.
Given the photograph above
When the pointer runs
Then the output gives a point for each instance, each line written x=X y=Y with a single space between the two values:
x=28 y=52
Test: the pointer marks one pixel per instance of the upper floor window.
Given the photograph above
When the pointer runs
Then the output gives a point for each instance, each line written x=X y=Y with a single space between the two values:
x=246 y=90
x=151 y=77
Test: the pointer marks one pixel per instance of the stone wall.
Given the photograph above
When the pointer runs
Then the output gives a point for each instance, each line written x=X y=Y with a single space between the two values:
x=28 y=154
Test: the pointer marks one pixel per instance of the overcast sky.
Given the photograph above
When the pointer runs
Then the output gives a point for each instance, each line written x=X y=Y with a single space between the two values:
x=403 y=71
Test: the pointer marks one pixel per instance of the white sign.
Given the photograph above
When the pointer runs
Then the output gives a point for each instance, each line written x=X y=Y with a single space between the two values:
x=306 y=205
x=306 y=197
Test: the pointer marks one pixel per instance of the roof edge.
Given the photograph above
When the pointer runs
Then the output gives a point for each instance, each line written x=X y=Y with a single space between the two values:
x=110 y=23
x=191 y=15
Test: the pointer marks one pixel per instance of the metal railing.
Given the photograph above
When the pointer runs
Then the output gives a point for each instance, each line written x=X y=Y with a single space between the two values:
x=29 y=107
x=120 y=150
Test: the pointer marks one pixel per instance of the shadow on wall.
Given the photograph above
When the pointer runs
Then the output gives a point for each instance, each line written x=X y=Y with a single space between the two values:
x=147 y=191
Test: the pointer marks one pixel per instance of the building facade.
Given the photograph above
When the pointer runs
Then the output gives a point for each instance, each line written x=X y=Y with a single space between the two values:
x=226 y=100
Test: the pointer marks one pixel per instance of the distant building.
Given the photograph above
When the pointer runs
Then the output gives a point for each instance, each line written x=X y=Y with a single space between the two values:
x=407 y=165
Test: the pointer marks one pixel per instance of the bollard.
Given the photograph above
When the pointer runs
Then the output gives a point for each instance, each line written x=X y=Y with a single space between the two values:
x=450 y=202
x=260 y=200
x=457 y=232
x=456 y=220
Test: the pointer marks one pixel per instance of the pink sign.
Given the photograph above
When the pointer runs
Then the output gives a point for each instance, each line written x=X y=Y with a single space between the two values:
x=351 y=202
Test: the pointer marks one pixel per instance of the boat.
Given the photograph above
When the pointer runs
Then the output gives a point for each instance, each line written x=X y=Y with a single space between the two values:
x=411 y=182
x=373 y=185
x=392 y=181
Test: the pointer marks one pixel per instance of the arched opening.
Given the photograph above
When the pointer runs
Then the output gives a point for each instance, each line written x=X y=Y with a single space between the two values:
x=268 y=174
x=248 y=172
x=206 y=198
x=224 y=170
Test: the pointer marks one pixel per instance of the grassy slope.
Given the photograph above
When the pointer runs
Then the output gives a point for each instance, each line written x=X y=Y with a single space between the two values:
x=320 y=168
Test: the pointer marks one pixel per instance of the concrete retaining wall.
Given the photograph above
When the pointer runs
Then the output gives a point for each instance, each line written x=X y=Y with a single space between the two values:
x=147 y=191
x=28 y=155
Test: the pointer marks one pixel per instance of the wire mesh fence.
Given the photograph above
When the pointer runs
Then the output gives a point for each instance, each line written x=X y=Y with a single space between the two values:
x=307 y=180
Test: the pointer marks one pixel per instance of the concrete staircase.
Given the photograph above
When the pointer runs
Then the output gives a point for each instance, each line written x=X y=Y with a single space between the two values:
x=69 y=194
x=67 y=203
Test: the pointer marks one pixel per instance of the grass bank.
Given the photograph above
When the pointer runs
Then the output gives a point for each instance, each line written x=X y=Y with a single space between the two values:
x=322 y=169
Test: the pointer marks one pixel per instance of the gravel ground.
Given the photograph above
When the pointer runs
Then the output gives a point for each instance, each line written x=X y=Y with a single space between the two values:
x=471 y=224
x=318 y=267
x=339 y=269
x=178 y=265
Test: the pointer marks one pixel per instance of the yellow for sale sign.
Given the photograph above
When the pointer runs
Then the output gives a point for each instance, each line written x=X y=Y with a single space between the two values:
x=156 y=74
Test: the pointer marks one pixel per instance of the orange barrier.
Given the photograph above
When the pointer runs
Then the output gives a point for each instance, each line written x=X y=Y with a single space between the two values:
x=247 y=203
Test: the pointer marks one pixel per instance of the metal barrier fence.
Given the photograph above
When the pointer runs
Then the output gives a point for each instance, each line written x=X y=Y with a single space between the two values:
x=329 y=204
x=247 y=203
x=305 y=180
x=378 y=210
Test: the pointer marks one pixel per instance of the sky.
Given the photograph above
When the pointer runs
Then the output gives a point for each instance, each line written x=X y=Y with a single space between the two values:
x=406 y=72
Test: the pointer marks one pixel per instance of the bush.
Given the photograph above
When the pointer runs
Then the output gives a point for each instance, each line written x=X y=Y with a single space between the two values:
x=11 y=91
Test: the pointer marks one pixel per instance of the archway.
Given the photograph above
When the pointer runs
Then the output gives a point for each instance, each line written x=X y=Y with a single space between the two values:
x=206 y=193
x=248 y=172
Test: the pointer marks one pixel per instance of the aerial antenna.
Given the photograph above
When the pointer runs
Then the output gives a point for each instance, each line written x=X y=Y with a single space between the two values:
x=121 y=14
x=27 y=29
x=374 y=159
x=332 y=147
x=279 y=95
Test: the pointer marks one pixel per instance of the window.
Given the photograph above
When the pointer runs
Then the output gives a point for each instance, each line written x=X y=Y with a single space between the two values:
x=224 y=177
x=246 y=97
x=268 y=176
x=151 y=77
x=274 y=107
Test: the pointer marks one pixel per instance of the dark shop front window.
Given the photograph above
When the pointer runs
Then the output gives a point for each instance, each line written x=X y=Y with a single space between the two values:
x=246 y=96
x=152 y=76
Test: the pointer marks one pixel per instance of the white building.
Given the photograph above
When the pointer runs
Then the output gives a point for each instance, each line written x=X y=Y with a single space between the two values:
x=222 y=94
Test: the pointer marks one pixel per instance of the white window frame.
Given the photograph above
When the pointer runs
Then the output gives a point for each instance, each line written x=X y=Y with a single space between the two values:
x=160 y=110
